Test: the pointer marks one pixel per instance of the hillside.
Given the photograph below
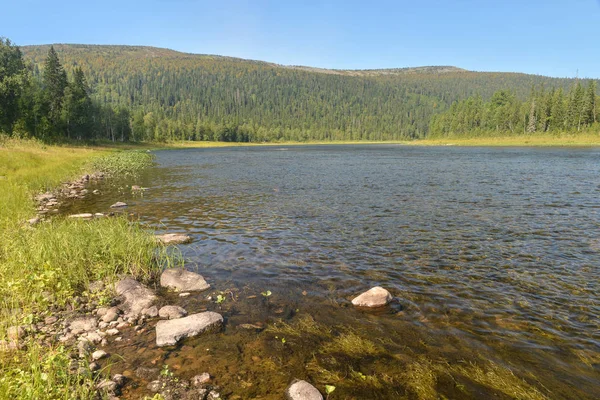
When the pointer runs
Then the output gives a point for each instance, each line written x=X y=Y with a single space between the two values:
x=177 y=95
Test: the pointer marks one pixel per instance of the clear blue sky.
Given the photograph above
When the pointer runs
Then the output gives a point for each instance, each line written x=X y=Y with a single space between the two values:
x=548 y=37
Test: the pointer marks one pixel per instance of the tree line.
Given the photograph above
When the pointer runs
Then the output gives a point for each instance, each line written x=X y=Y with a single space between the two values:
x=150 y=94
x=53 y=106
x=553 y=111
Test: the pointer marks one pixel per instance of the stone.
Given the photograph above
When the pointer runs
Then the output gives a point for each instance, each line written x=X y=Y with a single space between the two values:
x=302 y=390
x=112 y=332
x=50 y=320
x=94 y=366
x=172 y=312
x=34 y=221
x=200 y=380
x=374 y=297
x=111 y=315
x=99 y=354
x=151 y=312
x=84 y=347
x=102 y=311
x=136 y=188
x=212 y=395
x=83 y=324
x=119 y=204
x=182 y=280
x=15 y=332
x=82 y=216
x=146 y=373
x=107 y=386
x=169 y=332
x=40 y=198
x=154 y=386
x=135 y=296
x=173 y=238
x=95 y=287
x=94 y=337
x=119 y=380
x=184 y=294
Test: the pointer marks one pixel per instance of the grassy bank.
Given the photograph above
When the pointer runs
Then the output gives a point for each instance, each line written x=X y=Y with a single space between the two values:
x=46 y=267
x=582 y=140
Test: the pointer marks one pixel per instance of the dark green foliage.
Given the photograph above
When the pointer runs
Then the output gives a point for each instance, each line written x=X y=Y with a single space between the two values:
x=12 y=75
x=174 y=96
x=543 y=111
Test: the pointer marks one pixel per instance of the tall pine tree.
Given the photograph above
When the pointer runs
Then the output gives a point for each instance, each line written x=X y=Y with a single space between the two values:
x=55 y=83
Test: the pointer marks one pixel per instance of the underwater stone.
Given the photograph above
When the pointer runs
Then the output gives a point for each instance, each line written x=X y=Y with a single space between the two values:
x=172 y=312
x=169 y=332
x=182 y=280
x=119 y=204
x=375 y=297
x=302 y=390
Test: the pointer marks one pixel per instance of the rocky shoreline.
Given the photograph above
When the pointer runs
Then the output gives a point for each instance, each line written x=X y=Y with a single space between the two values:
x=88 y=326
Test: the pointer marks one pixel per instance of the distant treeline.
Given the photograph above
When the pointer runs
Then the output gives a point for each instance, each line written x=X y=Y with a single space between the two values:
x=149 y=94
x=52 y=106
x=544 y=111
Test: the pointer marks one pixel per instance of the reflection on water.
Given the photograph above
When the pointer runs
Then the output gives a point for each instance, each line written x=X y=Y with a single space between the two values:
x=493 y=254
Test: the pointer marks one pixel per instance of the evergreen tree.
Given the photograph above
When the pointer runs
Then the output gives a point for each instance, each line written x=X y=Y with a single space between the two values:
x=77 y=108
x=55 y=83
x=12 y=80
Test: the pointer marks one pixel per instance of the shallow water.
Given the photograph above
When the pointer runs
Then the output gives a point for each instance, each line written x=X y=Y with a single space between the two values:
x=493 y=255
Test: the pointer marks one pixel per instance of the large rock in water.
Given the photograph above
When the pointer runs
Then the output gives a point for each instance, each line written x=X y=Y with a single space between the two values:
x=173 y=238
x=375 y=297
x=136 y=297
x=182 y=280
x=302 y=390
x=169 y=332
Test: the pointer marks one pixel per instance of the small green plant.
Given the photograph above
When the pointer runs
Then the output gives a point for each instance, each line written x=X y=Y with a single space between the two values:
x=220 y=299
x=165 y=372
x=266 y=293
x=329 y=389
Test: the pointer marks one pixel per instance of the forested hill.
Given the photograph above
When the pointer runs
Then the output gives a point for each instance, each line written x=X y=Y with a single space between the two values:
x=172 y=95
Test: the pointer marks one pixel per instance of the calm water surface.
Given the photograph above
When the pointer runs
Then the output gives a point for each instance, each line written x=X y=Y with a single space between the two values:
x=492 y=254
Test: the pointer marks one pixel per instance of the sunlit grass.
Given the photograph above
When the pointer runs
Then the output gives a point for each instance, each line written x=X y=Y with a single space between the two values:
x=540 y=140
x=49 y=264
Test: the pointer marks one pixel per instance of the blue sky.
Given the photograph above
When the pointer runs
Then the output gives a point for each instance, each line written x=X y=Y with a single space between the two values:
x=551 y=37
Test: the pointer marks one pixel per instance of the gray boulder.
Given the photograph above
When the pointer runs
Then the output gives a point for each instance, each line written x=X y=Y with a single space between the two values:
x=374 y=297
x=135 y=296
x=173 y=238
x=172 y=312
x=182 y=280
x=169 y=332
x=84 y=324
x=302 y=390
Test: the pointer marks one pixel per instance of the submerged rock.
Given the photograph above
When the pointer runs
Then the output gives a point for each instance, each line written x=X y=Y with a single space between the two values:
x=374 y=297
x=171 y=331
x=82 y=216
x=136 y=297
x=119 y=204
x=182 y=280
x=302 y=390
x=199 y=380
x=172 y=312
x=173 y=238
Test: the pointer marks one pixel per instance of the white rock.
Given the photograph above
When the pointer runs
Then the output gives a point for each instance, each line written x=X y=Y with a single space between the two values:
x=169 y=332
x=375 y=297
x=112 y=332
x=182 y=280
x=111 y=315
x=302 y=390
x=119 y=204
x=98 y=354
x=172 y=312
x=173 y=238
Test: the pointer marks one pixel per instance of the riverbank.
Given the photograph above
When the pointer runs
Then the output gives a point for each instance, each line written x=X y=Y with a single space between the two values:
x=46 y=266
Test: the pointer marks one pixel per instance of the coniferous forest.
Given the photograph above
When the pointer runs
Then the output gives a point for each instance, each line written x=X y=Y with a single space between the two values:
x=128 y=93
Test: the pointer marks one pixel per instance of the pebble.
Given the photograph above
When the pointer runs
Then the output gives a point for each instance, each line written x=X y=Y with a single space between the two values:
x=201 y=379
x=119 y=204
x=112 y=332
x=99 y=354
